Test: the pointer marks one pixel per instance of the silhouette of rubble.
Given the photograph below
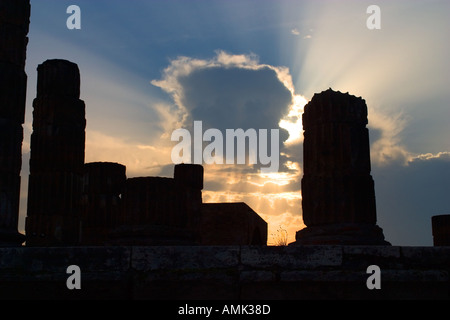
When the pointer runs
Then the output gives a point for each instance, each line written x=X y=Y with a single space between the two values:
x=14 y=23
x=338 y=196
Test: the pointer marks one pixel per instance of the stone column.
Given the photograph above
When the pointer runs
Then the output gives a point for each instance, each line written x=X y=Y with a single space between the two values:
x=189 y=180
x=57 y=156
x=338 y=196
x=103 y=185
x=14 y=22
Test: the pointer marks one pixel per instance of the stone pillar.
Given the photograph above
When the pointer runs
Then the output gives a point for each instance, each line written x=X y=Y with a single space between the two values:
x=57 y=156
x=338 y=196
x=441 y=230
x=103 y=184
x=14 y=23
x=189 y=179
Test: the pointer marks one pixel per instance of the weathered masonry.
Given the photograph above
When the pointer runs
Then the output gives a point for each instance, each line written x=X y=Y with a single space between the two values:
x=226 y=272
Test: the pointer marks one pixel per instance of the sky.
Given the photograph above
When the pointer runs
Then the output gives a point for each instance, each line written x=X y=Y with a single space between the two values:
x=151 y=67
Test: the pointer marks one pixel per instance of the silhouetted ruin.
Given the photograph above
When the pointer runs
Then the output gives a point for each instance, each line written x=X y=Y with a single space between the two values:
x=161 y=211
x=338 y=196
x=154 y=238
x=14 y=23
x=73 y=203
x=57 y=156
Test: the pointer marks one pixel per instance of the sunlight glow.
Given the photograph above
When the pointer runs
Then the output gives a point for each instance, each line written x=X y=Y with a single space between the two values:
x=278 y=178
x=293 y=121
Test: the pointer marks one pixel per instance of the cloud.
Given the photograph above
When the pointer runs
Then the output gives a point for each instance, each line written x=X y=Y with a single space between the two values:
x=295 y=32
x=140 y=159
x=409 y=195
x=385 y=136
x=227 y=91
x=234 y=91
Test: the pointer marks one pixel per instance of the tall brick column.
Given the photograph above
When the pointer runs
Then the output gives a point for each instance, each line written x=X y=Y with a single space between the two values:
x=14 y=22
x=338 y=196
x=57 y=156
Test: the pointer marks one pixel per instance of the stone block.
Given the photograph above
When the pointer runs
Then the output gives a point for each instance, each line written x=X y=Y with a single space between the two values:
x=50 y=263
x=58 y=77
x=292 y=257
x=360 y=257
x=426 y=257
x=159 y=258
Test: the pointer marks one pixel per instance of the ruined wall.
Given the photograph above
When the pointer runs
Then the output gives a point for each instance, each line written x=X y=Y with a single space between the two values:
x=226 y=272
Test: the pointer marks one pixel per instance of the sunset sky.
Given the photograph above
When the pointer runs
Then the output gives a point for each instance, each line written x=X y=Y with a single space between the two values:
x=150 y=67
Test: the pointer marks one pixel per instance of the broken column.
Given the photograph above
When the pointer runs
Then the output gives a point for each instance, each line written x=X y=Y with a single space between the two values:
x=14 y=23
x=103 y=184
x=338 y=196
x=57 y=156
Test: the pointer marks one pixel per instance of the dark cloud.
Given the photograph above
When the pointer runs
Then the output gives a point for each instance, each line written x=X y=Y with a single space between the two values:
x=408 y=196
x=375 y=134
x=232 y=98
x=231 y=92
x=236 y=98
